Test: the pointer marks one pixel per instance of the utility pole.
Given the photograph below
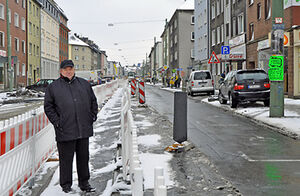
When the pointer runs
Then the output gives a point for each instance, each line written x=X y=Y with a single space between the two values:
x=154 y=65
x=276 y=62
x=9 y=67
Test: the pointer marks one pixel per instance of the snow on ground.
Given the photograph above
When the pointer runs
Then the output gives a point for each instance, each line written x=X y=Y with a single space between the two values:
x=149 y=140
x=289 y=122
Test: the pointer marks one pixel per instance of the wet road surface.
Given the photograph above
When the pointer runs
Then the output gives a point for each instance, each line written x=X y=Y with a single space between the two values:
x=258 y=160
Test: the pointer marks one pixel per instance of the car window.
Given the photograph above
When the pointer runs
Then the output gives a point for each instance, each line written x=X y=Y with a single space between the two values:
x=202 y=76
x=252 y=76
x=41 y=82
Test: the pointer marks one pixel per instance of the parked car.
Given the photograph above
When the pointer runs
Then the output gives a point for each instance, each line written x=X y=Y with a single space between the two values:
x=41 y=85
x=200 y=82
x=245 y=86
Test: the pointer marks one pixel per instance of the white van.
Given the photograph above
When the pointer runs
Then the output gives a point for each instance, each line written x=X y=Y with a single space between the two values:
x=200 y=82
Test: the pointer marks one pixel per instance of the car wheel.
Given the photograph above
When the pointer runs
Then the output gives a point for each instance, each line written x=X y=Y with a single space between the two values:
x=221 y=100
x=267 y=103
x=192 y=93
x=232 y=102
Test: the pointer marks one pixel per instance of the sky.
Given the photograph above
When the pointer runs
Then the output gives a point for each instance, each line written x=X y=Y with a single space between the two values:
x=136 y=23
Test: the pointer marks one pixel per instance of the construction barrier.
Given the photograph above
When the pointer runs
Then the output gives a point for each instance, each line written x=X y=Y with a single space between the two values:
x=133 y=86
x=142 y=98
x=26 y=143
x=27 y=140
x=131 y=165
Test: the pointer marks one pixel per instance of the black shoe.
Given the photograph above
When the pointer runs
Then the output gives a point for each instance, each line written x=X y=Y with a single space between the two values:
x=88 y=189
x=67 y=189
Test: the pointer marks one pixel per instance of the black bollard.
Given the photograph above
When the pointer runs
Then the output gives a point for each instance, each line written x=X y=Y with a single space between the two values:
x=180 y=117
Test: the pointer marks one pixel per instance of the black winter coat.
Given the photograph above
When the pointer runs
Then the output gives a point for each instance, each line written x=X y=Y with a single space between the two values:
x=71 y=106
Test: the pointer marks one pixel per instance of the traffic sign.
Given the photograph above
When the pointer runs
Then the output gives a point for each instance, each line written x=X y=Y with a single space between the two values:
x=276 y=71
x=179 y=69
x=225 y=50
x=213 y=58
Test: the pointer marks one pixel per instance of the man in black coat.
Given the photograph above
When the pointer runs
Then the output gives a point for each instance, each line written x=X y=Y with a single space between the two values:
x=71 y=106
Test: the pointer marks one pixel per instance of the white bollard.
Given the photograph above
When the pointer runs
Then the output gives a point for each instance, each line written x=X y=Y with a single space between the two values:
x=138 y=182
x=162 y=190
x=158 y=171
x=160 y=181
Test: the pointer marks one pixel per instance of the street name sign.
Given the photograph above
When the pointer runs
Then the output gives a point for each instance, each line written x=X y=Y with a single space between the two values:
x=276 y=64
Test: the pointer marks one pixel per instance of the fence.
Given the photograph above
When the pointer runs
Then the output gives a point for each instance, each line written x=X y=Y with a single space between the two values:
x=132 y=170
x=26 y=142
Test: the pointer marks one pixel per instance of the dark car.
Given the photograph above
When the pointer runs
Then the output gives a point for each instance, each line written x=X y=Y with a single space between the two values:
x=41 y=85
x=245 y=86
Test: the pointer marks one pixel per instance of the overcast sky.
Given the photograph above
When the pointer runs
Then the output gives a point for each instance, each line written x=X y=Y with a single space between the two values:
x=128 y=41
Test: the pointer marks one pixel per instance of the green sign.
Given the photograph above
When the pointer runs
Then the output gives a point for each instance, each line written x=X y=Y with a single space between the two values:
x=276 y=64
x=173 y=70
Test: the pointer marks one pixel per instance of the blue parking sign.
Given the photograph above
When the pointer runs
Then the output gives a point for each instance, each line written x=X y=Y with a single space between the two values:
x=225 y=50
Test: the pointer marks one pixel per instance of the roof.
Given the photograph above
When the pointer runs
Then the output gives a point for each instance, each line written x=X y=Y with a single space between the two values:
x=75 y=41
x=188 y=5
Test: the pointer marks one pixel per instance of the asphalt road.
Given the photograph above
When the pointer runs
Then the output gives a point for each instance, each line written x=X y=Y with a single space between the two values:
x=256 y=159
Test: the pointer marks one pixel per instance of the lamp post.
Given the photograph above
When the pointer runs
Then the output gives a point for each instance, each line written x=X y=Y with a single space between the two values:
x=9 y=66
x=276 y=63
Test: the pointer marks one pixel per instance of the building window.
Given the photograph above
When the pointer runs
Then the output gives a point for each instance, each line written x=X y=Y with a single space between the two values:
x=192 y=53
x=175 y=39
x=2 y=38
x=37 y=31
x=258 y=11
x=23 y=69
x=218 y=35
x=83 y=58
x=192 y=36
x=251 y=31
x=222 y=33
x=30 y=7
x=17 y=1
x=16 y=44
x=82 y=49
x=30 y=48
x=76 y=58
x=175 y=24
x=234 y=26
x=2 y=11
x=9 y=16
x=16 y=20
x=227 y=29
x=251 y=2
x=34 y=49
x=33 y=29
x=37 y=11
x=192 y=19
x=76 y=48
x=23 y=3
x=23 y=23
x=267 y=9
x=222 y=6
x=218 y=7
x=240 y=23
x=213 y=11
x=175 y=55
x=37 y=51
x=30 y=28
x=23 y=47
x=213 y=37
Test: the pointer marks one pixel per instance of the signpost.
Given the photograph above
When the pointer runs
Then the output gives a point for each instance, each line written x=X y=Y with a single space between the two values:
x=276 y=63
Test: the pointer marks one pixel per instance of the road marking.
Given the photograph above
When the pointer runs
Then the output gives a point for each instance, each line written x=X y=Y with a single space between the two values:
x=268 y=160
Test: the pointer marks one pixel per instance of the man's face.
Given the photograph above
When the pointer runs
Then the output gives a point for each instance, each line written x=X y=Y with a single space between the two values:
x=68 y=72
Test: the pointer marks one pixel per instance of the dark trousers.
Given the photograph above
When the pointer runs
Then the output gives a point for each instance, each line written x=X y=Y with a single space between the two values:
x=66 y=153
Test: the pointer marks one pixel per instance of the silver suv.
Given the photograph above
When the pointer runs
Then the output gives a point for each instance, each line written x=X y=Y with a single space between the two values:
x=200 y=82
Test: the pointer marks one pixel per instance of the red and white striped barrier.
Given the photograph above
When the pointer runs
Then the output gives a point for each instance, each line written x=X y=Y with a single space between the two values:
x=142 y=98
x=133 y=86
x=26 y=142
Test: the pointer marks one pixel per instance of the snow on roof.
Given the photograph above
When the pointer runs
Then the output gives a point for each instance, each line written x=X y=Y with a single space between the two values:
x=188 y=5
x=73 y=40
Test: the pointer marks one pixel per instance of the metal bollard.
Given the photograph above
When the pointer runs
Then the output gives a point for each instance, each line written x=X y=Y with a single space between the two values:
x=180 y=117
